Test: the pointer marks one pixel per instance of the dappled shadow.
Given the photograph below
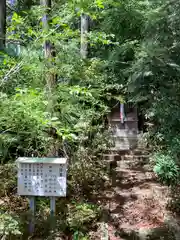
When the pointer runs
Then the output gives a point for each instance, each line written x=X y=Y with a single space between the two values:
x=45 y=226
x=156 y=233
x=130 y=184
x=126 y=180
x=174 y=201
x=133 y=199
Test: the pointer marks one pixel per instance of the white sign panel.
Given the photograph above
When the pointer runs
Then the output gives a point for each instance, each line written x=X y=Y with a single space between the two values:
x=42 y=176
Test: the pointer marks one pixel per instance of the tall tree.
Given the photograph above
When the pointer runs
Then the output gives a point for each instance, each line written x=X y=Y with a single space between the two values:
x=47 y=45
x=50 y=77
x=2 y=23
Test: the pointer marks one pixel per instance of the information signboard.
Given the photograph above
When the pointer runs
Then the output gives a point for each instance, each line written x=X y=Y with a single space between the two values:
x=42 y=176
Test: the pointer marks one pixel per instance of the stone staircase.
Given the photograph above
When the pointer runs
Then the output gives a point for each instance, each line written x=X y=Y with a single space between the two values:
x=126 y=158
x=135 y=200
x=136 y=204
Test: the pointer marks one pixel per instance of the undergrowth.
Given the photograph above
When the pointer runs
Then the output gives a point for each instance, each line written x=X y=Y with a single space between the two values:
x=76 y=214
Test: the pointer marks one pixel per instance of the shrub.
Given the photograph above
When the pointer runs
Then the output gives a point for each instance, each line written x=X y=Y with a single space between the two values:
x=7 y=179
x=166 y=168
x=81 y=216
x=9 y=226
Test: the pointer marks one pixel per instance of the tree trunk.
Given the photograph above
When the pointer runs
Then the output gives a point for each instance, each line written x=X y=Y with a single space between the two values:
x=28 y=3
x=48 y=49
x=50 y=78
x=2 y=23
x=84 y=31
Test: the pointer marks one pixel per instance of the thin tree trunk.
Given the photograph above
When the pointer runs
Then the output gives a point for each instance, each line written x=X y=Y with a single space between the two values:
x=84 y=31
x=50 y=78
x=28 y=3
x=2 y=23
x=13 y=45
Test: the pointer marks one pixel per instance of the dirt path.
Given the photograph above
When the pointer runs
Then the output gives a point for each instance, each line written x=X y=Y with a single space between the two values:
x=135 y=200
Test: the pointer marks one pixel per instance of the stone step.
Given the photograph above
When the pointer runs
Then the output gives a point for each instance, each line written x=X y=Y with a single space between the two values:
x=141 y=151
x=125 y=137
x=123 y=165
x=111 y=157
x=123 y=147
x=129 y=119
x=127 y=164
x=127 y=157
x=135 y=157
x=134 y=152
x=124 y=133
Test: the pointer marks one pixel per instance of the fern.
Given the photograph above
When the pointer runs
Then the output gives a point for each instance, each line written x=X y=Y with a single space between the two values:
x=166 y=169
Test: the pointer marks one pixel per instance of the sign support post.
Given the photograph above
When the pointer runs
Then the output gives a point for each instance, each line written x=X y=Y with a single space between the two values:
x=53 y=205
x=44 y=177
x=52 y=211
x=32 y=205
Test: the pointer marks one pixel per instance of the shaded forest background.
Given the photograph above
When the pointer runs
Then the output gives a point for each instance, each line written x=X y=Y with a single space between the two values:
x=57 y=102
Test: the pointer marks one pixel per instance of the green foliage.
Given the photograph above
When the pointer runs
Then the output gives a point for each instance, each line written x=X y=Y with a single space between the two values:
x=68 y=119
x=7 y=179
x=27 y=122
x=81 y=215
x=133 y=56
x=79 y=236
x=154 y=82
x=78 y=95
x=87 y=170
x=9 y=226
x=166 y=169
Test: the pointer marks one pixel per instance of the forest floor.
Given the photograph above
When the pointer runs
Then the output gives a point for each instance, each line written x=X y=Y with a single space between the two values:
x=135 y=203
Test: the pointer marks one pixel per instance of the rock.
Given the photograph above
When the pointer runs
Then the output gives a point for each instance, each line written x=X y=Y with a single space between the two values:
x=104 y=231
x=1 y=202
